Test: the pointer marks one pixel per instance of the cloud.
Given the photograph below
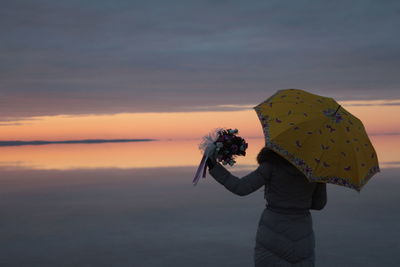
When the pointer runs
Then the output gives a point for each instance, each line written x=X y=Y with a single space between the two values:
x=16 y=121
x=237 y=107
x=382 y=102
x=12 y=124
x=152 y=56
x=227 y=107
x=388 y=133
x=390 y=164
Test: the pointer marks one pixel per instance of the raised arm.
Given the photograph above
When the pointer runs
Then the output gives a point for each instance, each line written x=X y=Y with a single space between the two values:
x=240 y=186
x=319 y=198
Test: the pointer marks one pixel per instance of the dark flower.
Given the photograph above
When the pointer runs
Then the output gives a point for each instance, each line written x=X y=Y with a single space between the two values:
x=230 y=146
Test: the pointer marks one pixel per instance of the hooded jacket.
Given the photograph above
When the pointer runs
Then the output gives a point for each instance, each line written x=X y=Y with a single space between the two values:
x=285 y=234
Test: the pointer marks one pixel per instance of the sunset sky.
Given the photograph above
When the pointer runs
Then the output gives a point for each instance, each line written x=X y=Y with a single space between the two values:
x=149 y=79
x=177 y=69
x=378 y=118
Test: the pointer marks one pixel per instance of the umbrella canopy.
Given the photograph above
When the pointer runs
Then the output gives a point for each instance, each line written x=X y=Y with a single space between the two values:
x=318 y=136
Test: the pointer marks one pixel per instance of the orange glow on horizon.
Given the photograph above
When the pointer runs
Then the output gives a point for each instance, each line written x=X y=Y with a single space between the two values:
x=377 y=119
x=149 y=155
x=113 y=155
x=132 y=125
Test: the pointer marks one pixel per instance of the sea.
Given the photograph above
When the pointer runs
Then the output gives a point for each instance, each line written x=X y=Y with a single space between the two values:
x=134 y=204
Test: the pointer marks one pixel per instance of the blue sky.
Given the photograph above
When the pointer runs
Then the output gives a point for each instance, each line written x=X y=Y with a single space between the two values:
x=96 y=57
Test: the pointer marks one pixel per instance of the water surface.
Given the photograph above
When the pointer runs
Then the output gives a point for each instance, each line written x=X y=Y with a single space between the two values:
x=134 y=205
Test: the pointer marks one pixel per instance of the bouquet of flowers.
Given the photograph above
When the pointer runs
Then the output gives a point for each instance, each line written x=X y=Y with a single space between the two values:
x=224 y=145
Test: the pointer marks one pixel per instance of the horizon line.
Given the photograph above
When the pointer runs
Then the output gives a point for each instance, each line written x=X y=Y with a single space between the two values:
x=83 y=141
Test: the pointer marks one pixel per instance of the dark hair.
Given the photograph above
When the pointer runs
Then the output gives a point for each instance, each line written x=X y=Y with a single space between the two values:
x=267 y=154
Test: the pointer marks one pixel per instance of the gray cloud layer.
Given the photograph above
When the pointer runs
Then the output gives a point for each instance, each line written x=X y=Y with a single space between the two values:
x=74 y=57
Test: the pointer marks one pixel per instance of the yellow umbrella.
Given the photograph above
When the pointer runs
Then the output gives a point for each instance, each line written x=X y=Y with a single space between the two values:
x=319 y=137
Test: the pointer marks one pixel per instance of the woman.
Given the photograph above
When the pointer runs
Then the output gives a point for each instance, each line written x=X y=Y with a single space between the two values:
x=285 y=235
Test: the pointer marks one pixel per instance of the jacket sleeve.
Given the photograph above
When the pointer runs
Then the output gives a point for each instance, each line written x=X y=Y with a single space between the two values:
x=245 y=185
x=319 y=198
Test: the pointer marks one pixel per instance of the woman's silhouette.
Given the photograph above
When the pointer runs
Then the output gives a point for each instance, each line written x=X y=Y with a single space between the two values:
x=285 y=235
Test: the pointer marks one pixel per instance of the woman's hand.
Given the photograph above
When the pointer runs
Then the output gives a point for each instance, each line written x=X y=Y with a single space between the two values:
x=211 y=163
